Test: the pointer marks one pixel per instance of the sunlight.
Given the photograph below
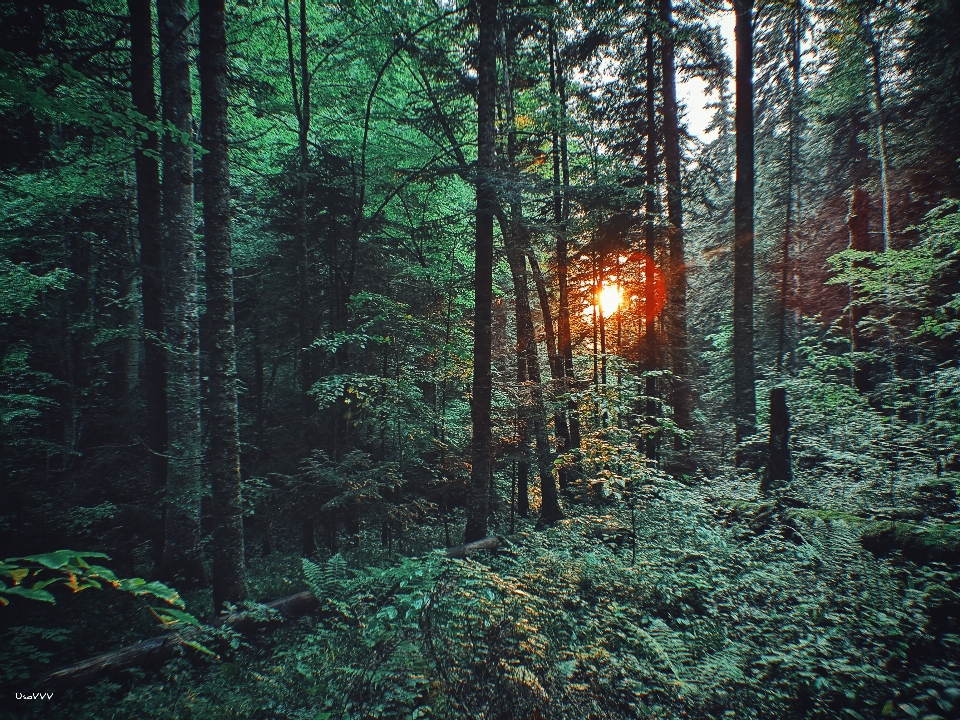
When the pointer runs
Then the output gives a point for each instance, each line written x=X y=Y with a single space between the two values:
x=610 y=298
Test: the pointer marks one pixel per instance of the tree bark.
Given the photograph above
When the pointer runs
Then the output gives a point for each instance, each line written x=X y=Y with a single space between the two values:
x=876 y=77
x=180 y=561
x=149 y=231
x=680 y=395
x=535 y=408
x=745 y=404
x=478 y=500
x=778 y=462
x=300 y=96
x=795 y=30
x=561 y=211
x=223 y=446
x=651 y=349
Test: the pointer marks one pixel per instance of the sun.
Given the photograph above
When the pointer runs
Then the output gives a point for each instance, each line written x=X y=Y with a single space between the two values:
x=610 y=299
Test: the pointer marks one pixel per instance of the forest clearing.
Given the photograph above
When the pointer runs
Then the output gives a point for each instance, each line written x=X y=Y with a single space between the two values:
x=565 y=359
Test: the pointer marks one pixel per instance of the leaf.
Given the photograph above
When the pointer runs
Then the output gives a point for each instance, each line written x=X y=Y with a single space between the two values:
x=18 y=575
x=171 y=616
x=910 y=710
x=854 y=713
x=54 y=560
x=888 y=709
x=139 y=586
x=197 y=646
x=103 y=573
x=41 y=595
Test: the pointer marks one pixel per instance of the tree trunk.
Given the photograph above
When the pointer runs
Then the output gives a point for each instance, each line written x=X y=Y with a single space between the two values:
x=795 y=30
x=876 y=76
x=680 y=395
x=223 y=447
x=651 y=350
x=533 y=408
x=180 y=561
x=561 y=211
x=745 y=404
x=778 y=462
x=300 y=95
x=149 y=231
x=478 y=502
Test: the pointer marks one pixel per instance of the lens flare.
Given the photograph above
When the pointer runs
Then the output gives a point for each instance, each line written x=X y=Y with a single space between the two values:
x=610 y=299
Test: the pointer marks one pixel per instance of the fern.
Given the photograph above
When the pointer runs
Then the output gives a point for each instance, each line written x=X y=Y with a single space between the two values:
x=327 y=581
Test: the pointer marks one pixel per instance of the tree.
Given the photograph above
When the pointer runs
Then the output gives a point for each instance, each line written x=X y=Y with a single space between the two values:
x=478 y=503
x=149 y=231
x=745 y=403
x=222 y=458
x=532 y=407
x=181 y=558
x=677 y=280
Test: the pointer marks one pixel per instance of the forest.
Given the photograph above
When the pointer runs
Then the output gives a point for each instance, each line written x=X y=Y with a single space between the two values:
x=495 y=359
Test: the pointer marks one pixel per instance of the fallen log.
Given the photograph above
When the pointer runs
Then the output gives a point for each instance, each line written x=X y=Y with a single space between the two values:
x=156 y=651
x=471 y=548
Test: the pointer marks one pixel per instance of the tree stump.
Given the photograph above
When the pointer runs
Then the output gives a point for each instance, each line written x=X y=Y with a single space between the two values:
x=778 y=461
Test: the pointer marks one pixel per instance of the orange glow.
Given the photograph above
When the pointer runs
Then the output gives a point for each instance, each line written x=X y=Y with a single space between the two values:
x=610 y=299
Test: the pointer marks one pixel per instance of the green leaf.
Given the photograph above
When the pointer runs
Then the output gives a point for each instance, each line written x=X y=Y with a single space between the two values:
x=197 y=646
x=41 y=595
x=103 y=573
x=910 y=710
x=54 y=560
x=176 y=616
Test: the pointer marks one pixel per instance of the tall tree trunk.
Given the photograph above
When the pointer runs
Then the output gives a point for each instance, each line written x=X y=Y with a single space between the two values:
x=876 y=77
x=180 y=561
x=651 y=350
x=509 y=232
x=533 y=407
x=561 y=427
x=561 y=212
x=300 y=95
x=479 y=500
x=745 y=403
x=680 y=395
x=223 y=446
x=149 y=231
x=795 y=31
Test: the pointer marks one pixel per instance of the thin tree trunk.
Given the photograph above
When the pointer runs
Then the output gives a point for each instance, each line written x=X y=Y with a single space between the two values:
x=680 y=395
x=652 y=355
x=223 y=447
x=180 y=561
x=300 y=95
x=149 y=231
x=745 y=403
x=876 y=76
x=795 y=30
x=560 y=424
x=561 y=212
x=533 y=407
x=478 y=500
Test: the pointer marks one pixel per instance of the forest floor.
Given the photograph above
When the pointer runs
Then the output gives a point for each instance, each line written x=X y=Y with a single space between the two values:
x=719 y=608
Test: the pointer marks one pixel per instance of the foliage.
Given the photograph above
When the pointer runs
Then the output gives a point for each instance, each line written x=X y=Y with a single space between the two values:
x=31 y=575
